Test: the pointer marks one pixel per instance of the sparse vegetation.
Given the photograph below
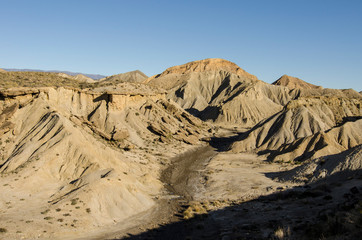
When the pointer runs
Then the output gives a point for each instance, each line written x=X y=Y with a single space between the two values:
x=188 y=213
x=3 y=230
x=88 y=210
x=38 y=79
x=74 y=201
x=193 y=209
x=45 y=212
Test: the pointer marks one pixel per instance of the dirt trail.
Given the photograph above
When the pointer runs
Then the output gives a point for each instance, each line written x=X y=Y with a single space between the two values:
x=182 y=176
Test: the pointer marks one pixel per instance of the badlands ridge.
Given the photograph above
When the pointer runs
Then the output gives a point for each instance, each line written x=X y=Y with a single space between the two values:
x=203 y=150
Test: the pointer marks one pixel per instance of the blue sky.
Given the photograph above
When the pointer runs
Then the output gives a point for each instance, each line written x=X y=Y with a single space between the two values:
x=318 y=41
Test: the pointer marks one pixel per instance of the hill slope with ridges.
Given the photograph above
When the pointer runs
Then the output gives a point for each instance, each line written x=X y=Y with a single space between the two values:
x=219 y=91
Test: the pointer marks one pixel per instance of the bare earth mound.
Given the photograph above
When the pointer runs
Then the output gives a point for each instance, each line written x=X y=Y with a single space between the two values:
x=293 y=82
x=134 y=76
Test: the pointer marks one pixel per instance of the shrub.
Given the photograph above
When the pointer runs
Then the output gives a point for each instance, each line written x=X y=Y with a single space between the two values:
x=74 y=201
x=45 y=212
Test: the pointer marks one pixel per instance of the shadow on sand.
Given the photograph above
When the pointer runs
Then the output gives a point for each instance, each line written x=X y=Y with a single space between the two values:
x=327 y=209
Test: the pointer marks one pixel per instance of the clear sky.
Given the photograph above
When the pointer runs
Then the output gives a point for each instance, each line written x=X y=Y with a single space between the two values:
x=319 y=41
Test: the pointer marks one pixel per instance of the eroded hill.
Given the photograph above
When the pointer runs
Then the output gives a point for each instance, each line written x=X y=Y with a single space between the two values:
x=293 y=82
x=133 y=76
x=82 y=159
x=219 y=91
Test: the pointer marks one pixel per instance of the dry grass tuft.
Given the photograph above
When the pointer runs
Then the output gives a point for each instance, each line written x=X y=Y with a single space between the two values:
x=281 y=233
x=195 y=208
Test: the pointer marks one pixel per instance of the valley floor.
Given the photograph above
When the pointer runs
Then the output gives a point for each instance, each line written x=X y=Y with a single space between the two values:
x=219 y=195
x=211 y=194
x=205 y=179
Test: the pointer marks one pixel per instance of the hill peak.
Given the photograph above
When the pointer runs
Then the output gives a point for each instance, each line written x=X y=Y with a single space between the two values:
x=209 y=64
x=132 y=76
x=83 y=78
x=293 y=82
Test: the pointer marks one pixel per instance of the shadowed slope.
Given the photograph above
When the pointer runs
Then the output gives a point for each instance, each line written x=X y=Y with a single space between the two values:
x=328 y=206
x=299 y=119
x=319 y=168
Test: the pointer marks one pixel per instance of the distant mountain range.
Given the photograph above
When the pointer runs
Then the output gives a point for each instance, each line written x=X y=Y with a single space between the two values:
x=93 y=76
